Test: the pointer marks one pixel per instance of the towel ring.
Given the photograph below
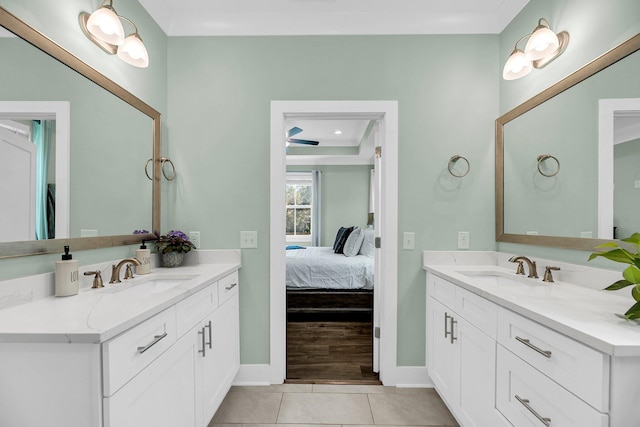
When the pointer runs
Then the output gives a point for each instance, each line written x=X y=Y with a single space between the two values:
x=452 y=163
x=542 y=158
x=163 y=160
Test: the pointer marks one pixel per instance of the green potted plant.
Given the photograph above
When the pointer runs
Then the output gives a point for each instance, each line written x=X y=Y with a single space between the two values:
x=631 y=274
x=173 y=246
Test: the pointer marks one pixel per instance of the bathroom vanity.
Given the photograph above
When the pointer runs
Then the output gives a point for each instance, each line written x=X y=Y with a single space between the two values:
x=508 y=350
x=160 y=349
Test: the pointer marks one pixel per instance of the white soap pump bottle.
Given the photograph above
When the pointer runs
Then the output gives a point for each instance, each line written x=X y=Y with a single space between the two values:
x=67 y=281
x=144 y=256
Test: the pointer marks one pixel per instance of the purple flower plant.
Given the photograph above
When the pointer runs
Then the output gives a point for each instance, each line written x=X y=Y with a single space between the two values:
x=174 y=241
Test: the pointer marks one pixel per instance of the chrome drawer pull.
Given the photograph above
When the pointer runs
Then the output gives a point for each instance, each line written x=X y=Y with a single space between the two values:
x=446 y=318
x=525 y=403
x=453 y=322
x=231 y=286
x=204 y=345
x=208 y=325
x=156 y=339
x=526 y=342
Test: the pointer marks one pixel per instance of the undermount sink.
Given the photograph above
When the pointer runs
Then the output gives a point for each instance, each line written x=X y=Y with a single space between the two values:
x=499 y=278
x=151 y=285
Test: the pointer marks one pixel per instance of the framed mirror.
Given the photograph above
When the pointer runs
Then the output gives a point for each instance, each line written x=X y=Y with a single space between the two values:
x=549 y=170
x=96 y=180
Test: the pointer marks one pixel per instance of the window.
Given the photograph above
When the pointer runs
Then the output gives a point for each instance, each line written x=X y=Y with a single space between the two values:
x=298 y=200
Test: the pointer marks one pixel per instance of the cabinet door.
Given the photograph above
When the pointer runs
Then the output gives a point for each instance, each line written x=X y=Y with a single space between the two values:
x=443 y=355
x=477 y=377
x=163 y=394
x=222 y=358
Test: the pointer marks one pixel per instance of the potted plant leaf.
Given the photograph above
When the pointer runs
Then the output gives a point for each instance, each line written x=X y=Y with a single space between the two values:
x=173 y=246
x=631 y=274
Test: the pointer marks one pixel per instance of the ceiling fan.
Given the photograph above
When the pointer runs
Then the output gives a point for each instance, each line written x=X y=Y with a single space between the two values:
x=294 y=131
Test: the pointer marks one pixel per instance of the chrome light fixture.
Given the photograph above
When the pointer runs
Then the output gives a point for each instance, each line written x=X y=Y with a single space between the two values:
x=104 y=28
x=542 y=47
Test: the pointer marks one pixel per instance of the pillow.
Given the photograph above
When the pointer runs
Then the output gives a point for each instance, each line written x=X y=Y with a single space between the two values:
x=354 y=242
x=340 y=247
x=338 y=237
x=368 y=247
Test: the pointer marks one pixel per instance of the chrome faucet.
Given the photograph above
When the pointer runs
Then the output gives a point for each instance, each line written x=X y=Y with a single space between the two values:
x=128 y=274
x=533 y=272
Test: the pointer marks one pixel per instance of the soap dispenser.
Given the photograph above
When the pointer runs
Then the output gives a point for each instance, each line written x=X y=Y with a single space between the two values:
x=144 y=256
x=67 y=281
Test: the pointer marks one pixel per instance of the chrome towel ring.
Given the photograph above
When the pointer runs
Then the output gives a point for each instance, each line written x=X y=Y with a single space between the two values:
x=452 y=163
x=542 y=158
x=163 y=161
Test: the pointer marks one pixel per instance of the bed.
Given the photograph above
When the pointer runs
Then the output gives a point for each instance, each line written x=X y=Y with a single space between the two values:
x=321 y=283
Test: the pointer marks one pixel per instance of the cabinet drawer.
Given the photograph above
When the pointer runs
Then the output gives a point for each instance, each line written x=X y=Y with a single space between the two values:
x=527 y=398
x=228 y=287
x=191 y=310
x=130 y=352
x=442 y=290
x=481 y=313
x=575 y=366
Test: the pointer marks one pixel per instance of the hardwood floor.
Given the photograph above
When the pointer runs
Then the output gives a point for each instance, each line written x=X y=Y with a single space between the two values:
x=330 y=351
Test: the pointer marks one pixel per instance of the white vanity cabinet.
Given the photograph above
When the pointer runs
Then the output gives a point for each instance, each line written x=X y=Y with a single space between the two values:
x=461 y=351
x=172 y=369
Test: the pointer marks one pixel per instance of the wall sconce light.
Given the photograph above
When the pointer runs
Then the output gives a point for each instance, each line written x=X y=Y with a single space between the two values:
x=104 y=28
x=542 y=47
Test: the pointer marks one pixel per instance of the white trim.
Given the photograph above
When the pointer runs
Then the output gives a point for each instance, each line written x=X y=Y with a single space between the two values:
x=606 y=111
x=387 y=113
x=413 y=376
x=253 y=375
x=61 y=111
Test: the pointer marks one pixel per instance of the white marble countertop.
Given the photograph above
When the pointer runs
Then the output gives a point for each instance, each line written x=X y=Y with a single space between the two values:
x=584 y=314
x=96 y=315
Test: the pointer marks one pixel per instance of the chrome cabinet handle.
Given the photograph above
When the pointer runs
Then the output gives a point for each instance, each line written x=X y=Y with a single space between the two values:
x=208 y=325
x=231 y=286
x=446 y=318
x=525 y=403
x=453 y=322
x=156 y=339
x=204 y=345
x=526 y=342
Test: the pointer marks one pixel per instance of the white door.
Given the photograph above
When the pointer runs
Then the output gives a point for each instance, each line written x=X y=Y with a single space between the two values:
x=17 y=187
x=377 y=221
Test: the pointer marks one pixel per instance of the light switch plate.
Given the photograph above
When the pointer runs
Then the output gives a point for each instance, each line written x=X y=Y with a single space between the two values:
x=409 y=240
x=248 y=239
x=463 y=240
x=194 y=236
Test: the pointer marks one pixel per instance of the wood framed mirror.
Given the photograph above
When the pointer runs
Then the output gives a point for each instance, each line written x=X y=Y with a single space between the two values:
x=131 y=105
x=523 y=192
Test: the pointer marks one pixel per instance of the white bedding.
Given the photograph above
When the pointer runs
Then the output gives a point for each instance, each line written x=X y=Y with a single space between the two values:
x=320 y=268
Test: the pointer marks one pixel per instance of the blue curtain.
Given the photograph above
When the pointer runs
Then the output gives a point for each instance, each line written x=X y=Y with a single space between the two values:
x=315 y=207
x=43 y=136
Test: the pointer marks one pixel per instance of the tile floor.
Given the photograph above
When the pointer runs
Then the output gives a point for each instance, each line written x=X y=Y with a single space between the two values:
x=325 y=405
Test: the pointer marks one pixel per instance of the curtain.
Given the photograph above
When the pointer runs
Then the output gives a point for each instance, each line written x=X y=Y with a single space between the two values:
x=315 y=207
x=43 y=136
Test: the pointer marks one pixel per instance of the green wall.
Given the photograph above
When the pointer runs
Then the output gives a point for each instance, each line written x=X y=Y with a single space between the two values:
x=595 y=26
x=345 y=197
x=220 y=89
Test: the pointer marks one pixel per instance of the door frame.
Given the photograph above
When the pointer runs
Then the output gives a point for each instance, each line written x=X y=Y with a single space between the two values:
x=387 y=114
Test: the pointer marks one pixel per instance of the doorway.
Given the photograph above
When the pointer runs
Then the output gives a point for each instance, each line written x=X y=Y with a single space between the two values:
x=385 y=297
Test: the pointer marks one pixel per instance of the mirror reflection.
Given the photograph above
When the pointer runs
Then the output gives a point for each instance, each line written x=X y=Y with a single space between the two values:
x=567 y=127
x=109 y=144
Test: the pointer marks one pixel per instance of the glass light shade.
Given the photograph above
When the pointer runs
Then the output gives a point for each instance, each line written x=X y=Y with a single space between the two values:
x=133 y=52
x=105 y=25
x=542 y=43
x=518 y=65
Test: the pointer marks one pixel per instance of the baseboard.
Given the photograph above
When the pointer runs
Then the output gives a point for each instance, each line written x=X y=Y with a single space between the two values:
x=253 y=375
x=412 y=376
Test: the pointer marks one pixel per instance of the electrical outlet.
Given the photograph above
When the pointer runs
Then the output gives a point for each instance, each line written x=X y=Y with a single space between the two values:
x=586 y=234
x=248 y=239
x=636 y=183
x=88 y=232
x=194 y=236
x=463 y=240
x=531 y=233
x=409 y=240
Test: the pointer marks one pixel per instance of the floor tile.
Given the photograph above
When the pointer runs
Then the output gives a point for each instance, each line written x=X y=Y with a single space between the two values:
x=423 y=409
x=362 y=389
x=325 y=408
x=250 y=408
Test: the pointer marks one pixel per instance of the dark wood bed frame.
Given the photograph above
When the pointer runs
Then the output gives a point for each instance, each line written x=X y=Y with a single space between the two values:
x=329 y=304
